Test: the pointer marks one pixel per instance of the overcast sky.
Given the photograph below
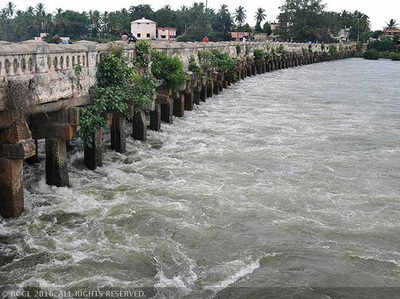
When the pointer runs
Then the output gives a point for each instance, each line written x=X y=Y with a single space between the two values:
x=379 y=11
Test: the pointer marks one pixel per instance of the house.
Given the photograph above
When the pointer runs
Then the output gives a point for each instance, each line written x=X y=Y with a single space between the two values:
x=274 y=27
x=390 y=33
x=344 y=35
x=166 y=33
x=144 y=29
x=238 y=36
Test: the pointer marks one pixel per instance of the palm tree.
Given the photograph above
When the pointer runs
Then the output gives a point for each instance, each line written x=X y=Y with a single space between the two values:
x=392 y=24
x=240 y=15
x=260 y=15
x=40 y=10
x=10 y=9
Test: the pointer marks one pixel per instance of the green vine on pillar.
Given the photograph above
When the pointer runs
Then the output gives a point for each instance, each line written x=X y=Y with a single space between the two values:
x=118 y=87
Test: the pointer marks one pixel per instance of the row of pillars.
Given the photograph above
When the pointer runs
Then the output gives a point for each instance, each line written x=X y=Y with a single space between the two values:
x=18 y=137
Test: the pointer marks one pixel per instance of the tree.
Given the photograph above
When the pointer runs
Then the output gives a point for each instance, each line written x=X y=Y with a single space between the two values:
x=392 y=24
x=240 y=15
x=267 y=28
x=260 y=15
x=300 y=20
x=10 y=9
x=141 y=11
x=223 y=23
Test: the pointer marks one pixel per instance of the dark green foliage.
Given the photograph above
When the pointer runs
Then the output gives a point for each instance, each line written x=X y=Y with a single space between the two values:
x=267 y=28
x=300 y=20
x=258 y=54
x=168 y=69
x=258 y=28
x=385 y=45
x=118 y=86
x=194 y=67
x=206 y=60
x=218 y=61
x=143 y=51
x=332 y=50
x=395 y=56
x=238 y=50
x=222 y=62
x=303 y=21
x=371 y=54
x=113 y=70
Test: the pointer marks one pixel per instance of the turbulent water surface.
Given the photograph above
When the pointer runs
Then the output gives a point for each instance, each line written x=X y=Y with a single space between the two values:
x=287 y=184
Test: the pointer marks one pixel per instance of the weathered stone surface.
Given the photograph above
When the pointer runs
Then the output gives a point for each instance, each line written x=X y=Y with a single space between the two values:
x=54 y=130
x=93 y=156
x=189 y=100
x=179 y=104
x=139 y=126
x=155 y=118
x=196 y=96
x=210 y=88
x=167 y=110
x=203 y=93
x=19 y=151
x=35 y=158
x=17 y=132
x=7 y=118
x=118 y=137
x=56 y=163
x=11 y=188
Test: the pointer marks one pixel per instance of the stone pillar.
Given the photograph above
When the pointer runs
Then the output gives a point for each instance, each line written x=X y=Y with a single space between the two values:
x=179 y=104
x=139 y=126
x=11 y=188
x=167 y=112
x=155 y=118
x=16 y=145
x=189 y=100
x=197 y=95
x=35 y=158
x=203 y=93
x=221 y=80
x=93 y=156
x=56 y=163
x=118 y=137
x=215 y=87
x=210 y=88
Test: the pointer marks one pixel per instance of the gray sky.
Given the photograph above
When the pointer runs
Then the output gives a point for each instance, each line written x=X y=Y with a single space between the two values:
x=379 y=11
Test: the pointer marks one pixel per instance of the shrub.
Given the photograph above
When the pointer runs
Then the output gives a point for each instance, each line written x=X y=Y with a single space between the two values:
x=169 y=69
x=395 y=56
x=118 y=86
x=205 y=59
x=332 y=50
x=258 y=54
x=281 y=49
x=371 y=54
x=193 y=67
x=238 y=50
x=383 y=45
x=218 y=61
x=143 y=51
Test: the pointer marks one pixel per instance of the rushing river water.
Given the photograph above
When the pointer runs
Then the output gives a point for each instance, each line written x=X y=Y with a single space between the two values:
x=287 y=184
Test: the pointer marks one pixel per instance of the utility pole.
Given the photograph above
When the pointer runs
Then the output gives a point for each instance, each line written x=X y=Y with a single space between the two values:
x=206 y=4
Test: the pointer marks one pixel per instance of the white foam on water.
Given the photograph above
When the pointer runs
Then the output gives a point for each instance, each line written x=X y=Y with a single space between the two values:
x=375 y=258
x=245 y=271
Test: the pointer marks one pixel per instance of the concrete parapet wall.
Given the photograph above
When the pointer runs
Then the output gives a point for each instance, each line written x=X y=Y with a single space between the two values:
x=62 y=72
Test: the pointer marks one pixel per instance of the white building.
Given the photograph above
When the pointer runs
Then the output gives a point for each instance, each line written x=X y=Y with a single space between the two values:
x=144 y=29
x=166 y=33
